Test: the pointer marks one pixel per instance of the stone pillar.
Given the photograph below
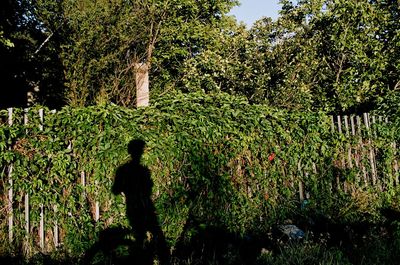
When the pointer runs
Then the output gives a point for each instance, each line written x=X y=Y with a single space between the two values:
x=142 y=84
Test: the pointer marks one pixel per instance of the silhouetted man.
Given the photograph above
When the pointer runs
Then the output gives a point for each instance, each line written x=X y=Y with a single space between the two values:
x=135 y=182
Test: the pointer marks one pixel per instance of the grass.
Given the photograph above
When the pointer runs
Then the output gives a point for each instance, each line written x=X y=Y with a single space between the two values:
x=372 y=245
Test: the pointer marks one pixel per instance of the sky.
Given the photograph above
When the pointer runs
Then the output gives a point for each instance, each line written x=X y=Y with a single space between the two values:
x=251 y=10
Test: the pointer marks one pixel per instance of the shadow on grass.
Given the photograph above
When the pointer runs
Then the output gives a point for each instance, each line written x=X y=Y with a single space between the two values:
x=206 y=244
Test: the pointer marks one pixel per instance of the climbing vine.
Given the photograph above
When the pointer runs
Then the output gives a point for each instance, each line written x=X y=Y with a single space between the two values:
x=216 y=157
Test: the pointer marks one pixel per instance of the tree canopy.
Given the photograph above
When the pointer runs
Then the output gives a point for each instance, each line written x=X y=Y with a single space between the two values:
x=332 y=55
x=338 y=55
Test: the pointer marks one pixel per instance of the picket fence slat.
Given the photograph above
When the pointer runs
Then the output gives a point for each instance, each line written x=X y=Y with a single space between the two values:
x=83 y=182
x=10 y=191
x=371 y=151
x=55 y=231
x=27 y=229
x=41 y=227
x=26 y=199
x=357 y=153
x=332 y=124
x=353 y=128
x=395 y=167
x=339 y=126
x=349 y=149
x=361 y=154
x=42 y=217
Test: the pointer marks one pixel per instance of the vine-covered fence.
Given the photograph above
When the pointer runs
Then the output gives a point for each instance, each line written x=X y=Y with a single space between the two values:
x=362 y=154
x=293 y=162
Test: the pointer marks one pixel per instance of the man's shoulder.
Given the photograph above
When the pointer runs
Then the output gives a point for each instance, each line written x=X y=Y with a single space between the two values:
x=132 y=169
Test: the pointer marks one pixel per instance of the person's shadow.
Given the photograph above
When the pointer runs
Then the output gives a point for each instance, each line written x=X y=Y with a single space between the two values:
x=134 y=181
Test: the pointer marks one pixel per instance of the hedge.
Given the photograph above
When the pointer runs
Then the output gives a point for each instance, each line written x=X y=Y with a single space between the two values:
x=215 y=157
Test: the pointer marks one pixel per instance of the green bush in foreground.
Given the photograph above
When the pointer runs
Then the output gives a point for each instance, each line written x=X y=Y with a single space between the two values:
x=215 y=158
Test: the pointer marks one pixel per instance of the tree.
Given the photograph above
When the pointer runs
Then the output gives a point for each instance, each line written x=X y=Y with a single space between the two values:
x=110 y=42
x=335 y=55
x=29 y=70
x=219 y=67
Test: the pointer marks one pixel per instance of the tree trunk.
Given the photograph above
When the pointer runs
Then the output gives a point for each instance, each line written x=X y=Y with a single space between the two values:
x=142 y=84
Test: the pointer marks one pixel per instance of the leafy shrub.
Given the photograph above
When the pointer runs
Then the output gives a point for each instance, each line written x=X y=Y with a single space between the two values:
x=215 y=157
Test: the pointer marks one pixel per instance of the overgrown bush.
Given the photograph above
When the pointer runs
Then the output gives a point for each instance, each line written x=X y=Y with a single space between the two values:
x=226 y=163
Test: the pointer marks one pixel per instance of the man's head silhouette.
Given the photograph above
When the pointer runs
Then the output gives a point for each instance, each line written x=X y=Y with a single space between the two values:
x=136 y=148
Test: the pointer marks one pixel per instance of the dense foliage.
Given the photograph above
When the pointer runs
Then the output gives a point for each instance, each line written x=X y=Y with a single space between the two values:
x=240 y=164
x=332 y=55
x=97 y=44
x=27 y=66
x=339 y=54
x=227 y=163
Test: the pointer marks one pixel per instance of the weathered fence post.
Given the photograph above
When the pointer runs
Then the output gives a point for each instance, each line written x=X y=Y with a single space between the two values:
x=361 y=144
x=10 y=191
x=349 y=149
x=96 y=205
x=371 y=151
x=301 y=186
x=342 y=160
x=56 y=239
x=357 y=153
x=55 y=231
x=26 y=203
x=395 y=166
x=41 y=225
x=83 y=182
x=349 y=152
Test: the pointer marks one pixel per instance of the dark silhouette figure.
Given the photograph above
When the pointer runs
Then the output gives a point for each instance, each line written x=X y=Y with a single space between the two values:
x=133 y=180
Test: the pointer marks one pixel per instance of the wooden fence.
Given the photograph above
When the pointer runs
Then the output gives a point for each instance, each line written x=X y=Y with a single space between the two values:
x=360 y=156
